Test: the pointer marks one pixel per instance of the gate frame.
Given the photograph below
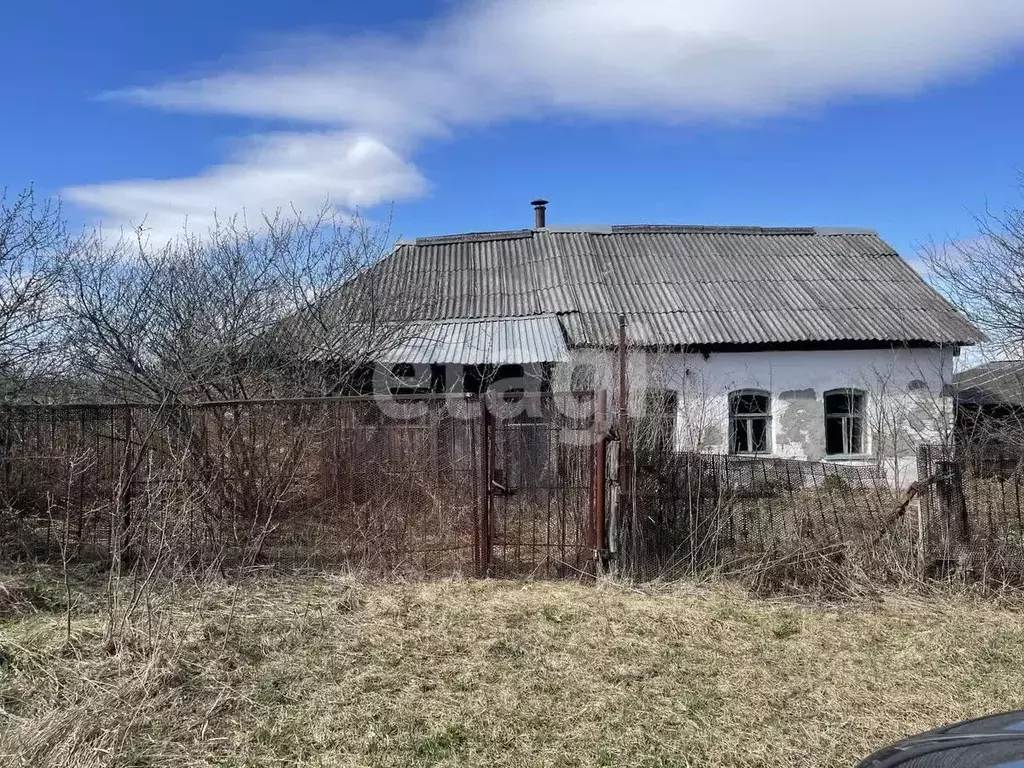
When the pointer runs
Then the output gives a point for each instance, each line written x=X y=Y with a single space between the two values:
x=485 y=491
x=484 y=544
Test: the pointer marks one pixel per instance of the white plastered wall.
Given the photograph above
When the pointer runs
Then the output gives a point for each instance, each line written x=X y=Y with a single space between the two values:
x=905 y=405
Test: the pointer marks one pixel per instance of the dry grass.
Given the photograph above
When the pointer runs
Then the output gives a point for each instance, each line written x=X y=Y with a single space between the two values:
x=335 y=672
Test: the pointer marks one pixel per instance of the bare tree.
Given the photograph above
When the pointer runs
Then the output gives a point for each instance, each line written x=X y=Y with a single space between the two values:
x=289 y=307
x=984 y=275
x=34 y=245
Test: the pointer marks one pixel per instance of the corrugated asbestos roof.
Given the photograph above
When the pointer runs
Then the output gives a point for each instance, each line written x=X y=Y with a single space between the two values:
x=475 y=342
x=996 y=383
x=678 y=285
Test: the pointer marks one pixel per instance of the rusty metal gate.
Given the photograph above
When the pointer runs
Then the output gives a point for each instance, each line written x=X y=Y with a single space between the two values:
x=542 y=501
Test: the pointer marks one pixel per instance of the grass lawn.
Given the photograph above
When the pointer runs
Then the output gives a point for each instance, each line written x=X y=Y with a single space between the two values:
x=334 y=672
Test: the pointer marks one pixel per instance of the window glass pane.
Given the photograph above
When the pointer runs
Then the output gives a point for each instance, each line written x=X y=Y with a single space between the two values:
x=658 y=403
x=658 y=423
x=749 y=422
x=847 y=402
x=759 y=430
x=472 y=378
x=749 y=402
x=856 y=435
x=403 y=370
x=508 y=372
x=837 y=403
x=739 y=436
x=857 y=402
x=833 y=436
x=844 y=422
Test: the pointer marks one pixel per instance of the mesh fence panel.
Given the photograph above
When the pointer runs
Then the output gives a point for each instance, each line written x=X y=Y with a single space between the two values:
x=304 y=483
x=454 y=485
x=691 y=511
x=59 y=480
x=974 y=508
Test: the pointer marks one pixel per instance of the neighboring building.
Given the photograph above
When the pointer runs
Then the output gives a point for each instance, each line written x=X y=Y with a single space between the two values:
x=807 y=343
x=990 y=404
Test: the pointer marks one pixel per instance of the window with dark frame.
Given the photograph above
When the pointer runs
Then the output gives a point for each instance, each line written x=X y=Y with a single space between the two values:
x=844 y=422
x=750 y=422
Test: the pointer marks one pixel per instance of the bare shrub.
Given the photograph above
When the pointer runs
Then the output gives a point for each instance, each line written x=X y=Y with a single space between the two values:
x=984 y=276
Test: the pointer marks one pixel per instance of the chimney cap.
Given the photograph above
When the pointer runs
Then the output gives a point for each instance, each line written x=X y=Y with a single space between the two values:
x=538 y=203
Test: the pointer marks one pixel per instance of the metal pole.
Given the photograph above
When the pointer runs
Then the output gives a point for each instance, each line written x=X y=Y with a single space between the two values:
x=485 y=487
x=924 y=472
x=625 y=505
x=623 y=393
x=478 y=496
x=600 y=546
x=127 y=472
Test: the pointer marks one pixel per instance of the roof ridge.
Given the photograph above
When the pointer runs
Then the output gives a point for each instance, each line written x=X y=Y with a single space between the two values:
x=492 y=318
x=473 y=237
x=710 y=229
x=625 y=229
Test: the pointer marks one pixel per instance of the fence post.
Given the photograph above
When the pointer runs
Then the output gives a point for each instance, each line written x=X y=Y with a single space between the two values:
x=623 y=390
x=924 y=504
x=600 y=456
x=626 y=504
x=484 y=500
x=125 y=496
x=474 y=463
x=959 y=499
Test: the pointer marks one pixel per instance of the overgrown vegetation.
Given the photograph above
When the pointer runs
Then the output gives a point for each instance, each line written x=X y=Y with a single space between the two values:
x=336 y=671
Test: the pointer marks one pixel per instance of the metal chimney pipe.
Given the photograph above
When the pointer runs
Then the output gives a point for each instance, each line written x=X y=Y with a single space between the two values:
x=539 y=213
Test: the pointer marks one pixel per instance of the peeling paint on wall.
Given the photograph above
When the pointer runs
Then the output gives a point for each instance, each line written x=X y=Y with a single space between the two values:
x=800 y=432
x=902 y=381
x=797 y=394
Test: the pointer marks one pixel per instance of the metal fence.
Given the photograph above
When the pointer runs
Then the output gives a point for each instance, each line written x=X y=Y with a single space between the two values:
x=534 y=485
x=408 y=486
x=692 y=511
x=973 y=508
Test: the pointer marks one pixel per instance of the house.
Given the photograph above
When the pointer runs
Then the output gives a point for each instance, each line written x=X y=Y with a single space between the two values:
x=990 y=405
x=809 y=343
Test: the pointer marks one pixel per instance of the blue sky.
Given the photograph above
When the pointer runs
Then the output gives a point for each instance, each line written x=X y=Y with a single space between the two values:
x=901 y=115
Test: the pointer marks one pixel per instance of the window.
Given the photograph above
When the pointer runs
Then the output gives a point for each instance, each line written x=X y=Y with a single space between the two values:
x=844 y=422
x=750 y=422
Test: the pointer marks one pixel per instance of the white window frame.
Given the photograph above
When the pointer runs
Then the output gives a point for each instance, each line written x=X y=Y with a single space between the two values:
x=764 y=415
x=848 y=420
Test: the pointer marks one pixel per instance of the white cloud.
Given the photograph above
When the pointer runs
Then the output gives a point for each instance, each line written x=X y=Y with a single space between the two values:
x=491 y=60
x=272 y=172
